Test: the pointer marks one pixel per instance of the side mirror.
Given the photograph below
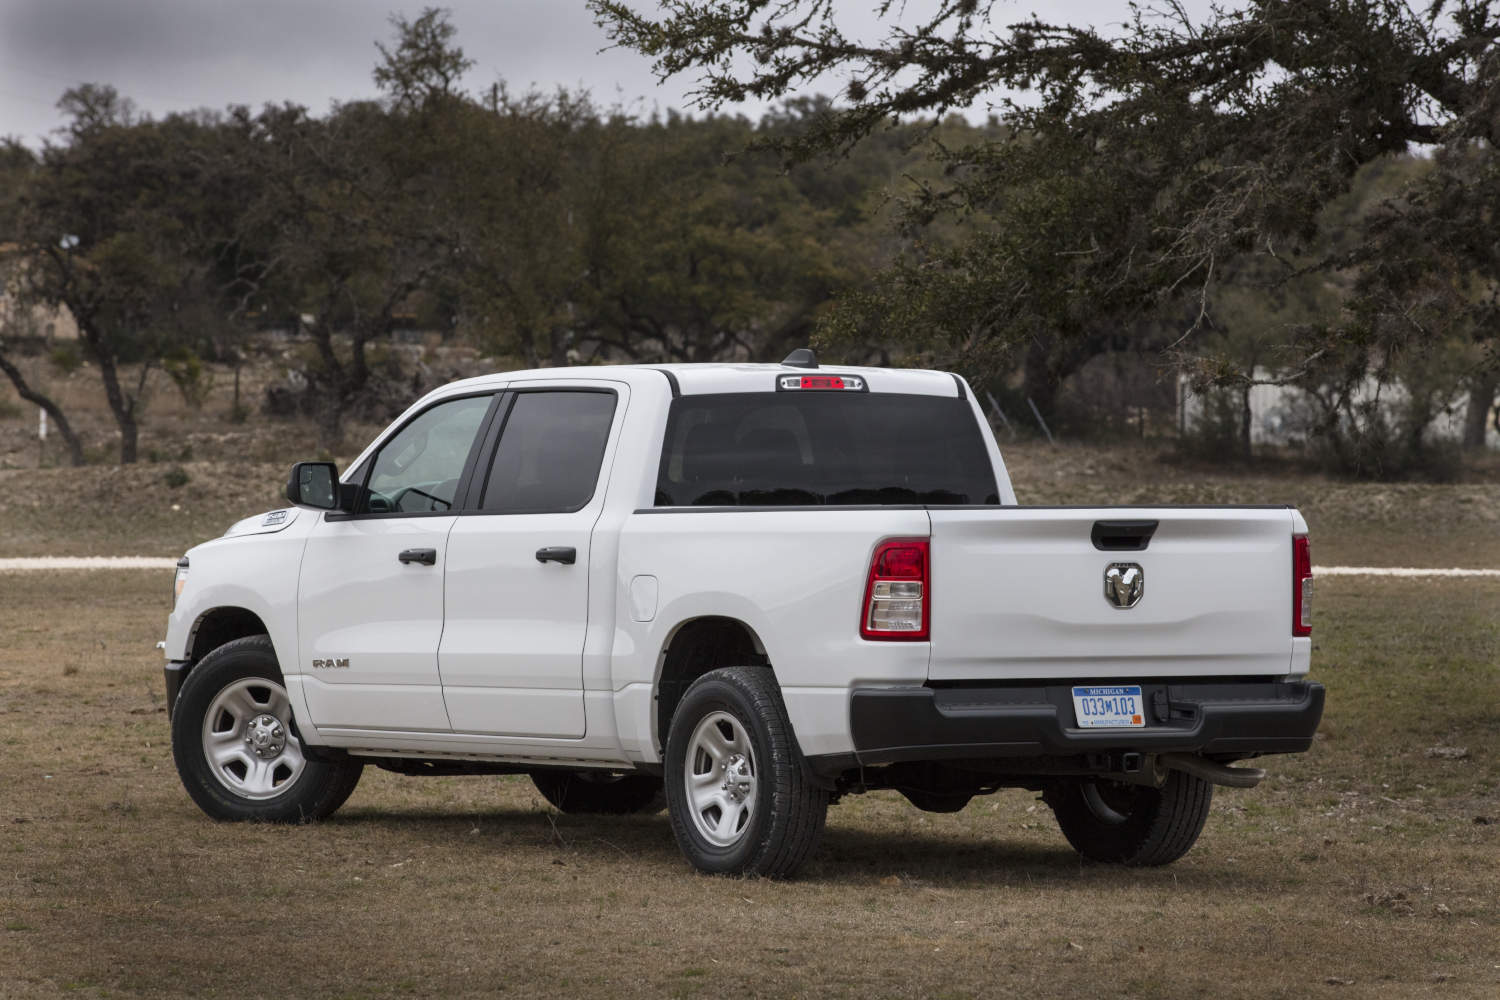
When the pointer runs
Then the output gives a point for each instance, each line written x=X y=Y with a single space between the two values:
x=314 y=484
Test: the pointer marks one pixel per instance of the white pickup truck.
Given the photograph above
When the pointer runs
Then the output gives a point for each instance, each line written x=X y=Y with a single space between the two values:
x=751 y=589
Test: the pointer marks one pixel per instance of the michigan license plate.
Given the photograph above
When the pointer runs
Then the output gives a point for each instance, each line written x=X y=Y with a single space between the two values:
x=1109 y=707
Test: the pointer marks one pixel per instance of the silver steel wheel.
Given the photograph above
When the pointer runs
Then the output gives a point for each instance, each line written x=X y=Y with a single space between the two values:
x=248 y=741
x=720 y=779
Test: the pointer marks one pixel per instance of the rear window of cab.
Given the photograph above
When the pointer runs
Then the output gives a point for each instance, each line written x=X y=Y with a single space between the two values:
x=770 y=449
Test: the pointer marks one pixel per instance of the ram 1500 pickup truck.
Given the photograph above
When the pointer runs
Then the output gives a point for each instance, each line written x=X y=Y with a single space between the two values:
x=745 y=589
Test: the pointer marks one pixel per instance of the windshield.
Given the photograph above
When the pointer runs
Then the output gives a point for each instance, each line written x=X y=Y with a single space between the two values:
x=805 y=448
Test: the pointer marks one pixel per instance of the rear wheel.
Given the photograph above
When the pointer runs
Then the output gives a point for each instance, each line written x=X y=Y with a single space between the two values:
x=599 y=791
x=236 y=746
x=1127 y=824
x=739 y=795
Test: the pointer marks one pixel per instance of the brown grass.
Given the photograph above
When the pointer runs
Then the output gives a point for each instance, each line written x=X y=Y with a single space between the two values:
x=1351 y=524
x=238 y=469
x=1360 y=869
x=113 y=510
x=1364 y=868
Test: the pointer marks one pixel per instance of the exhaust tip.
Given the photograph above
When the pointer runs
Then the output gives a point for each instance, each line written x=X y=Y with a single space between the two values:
x=1212 y=771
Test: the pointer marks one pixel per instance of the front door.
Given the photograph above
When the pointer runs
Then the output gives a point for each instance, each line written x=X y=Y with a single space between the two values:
x=370 y=597
x=517 y=583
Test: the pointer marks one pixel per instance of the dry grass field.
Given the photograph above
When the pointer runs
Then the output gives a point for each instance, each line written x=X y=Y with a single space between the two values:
x=200 y=471
x=132 y=510
x=1368 y=867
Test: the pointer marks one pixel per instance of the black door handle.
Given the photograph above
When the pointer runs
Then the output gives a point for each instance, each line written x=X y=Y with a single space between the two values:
x=427 y=557
x=565 y=554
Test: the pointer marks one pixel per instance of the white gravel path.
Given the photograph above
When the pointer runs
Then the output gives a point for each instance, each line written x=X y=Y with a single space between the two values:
x=1398 y=571
x=85 y=562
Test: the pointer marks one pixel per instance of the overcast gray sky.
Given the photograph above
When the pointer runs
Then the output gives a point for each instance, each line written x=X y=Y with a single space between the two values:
x=173 y=55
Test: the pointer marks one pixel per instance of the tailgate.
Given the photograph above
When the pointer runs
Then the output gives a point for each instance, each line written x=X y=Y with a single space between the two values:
x=1020 y=592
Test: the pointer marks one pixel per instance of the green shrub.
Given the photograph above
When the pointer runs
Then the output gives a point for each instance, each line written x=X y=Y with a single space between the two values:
x=192 y=379
x=66 y=358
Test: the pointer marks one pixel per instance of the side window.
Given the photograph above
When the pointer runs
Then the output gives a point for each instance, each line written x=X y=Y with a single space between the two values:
x=550 y=452
x=417 y=471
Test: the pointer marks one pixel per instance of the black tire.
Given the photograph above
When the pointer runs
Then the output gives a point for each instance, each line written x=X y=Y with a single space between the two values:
x=783 y=812
x=233 y=681
x=1132 y=824
x=600 y=792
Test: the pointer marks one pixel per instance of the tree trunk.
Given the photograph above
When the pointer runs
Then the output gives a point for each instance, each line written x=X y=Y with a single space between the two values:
x=1481 y=399
x=1245 y=419
x=122 y=407
x=24 y=390
x=329 y=410
x=129 y=438
x=526 y=338
x=334 y=385
x=1040 y=381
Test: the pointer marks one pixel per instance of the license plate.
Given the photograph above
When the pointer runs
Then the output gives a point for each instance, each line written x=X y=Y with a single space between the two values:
x=1109 y=707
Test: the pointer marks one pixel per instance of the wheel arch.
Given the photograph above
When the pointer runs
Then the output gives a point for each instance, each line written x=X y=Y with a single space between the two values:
x=693 y=648
x=216 y=626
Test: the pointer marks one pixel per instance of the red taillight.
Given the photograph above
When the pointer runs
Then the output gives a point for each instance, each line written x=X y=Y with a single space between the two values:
x=838 y=383
x=897 y=596
x=1302 y=586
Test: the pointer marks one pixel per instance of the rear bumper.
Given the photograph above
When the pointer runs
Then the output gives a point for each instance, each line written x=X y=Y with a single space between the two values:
x=1235 y=718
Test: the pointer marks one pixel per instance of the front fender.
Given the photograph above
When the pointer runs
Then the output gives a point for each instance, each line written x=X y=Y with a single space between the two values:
x=255 y=572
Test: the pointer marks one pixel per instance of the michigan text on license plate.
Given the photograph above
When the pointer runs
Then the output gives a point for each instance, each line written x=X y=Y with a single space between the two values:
x=1109 y=707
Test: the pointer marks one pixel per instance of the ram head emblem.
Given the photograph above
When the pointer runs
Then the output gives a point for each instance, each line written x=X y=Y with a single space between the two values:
x=1124 y=584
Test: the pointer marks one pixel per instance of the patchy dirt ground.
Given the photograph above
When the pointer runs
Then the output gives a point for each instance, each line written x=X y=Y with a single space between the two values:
x=1365 y=868
x=148 y=508
x=173 y=430
x=200 y=471
x=1356 y=524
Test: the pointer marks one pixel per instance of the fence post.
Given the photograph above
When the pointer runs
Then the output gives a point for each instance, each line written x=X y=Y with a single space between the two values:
x=995 y=406
x=1045 y=430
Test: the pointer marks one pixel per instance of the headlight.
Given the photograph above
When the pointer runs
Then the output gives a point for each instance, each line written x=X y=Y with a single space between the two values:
x=181 y=579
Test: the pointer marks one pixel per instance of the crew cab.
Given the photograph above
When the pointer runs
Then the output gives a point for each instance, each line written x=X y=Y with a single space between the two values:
x=743 y=591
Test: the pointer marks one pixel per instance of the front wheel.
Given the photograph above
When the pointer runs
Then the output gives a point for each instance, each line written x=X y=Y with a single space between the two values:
x=236 y=748
x=1126 y=824
x=738 y=793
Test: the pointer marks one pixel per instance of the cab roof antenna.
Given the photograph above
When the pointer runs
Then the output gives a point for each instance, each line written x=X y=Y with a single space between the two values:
x=802 y=357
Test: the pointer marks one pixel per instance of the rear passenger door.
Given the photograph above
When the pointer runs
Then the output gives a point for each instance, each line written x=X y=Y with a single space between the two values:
x=517 y=581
